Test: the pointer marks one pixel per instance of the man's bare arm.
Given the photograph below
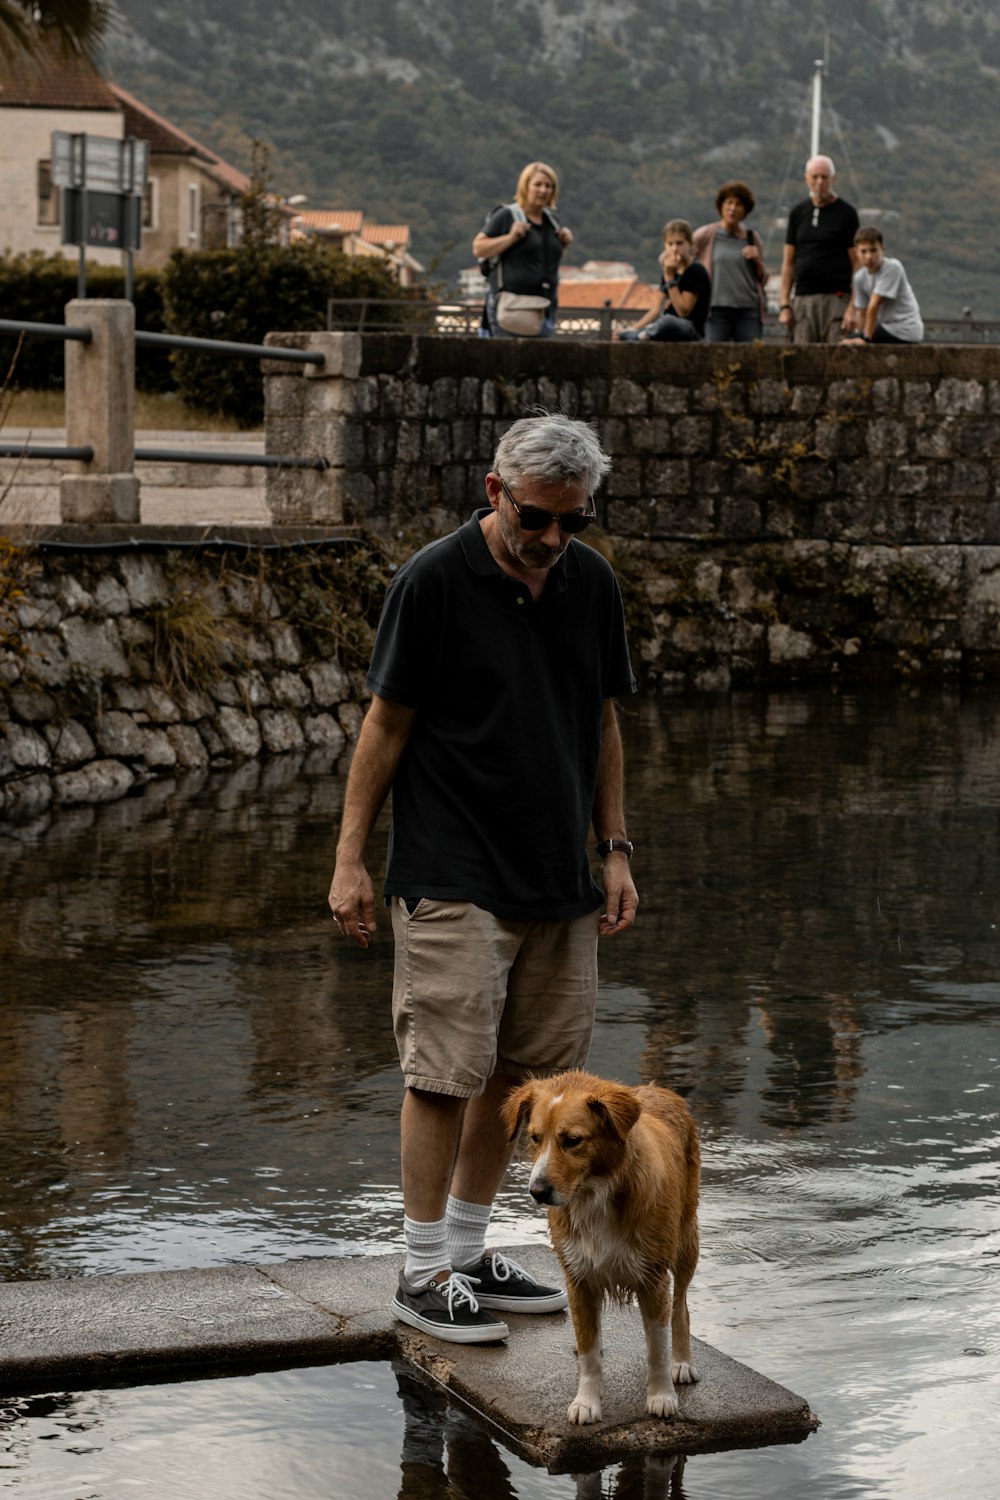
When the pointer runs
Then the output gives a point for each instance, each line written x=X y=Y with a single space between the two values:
x=609 y=822
x=786 y=317
x=383 y=738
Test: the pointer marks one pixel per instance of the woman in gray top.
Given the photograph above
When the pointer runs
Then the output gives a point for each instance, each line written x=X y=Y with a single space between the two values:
x=734 y=258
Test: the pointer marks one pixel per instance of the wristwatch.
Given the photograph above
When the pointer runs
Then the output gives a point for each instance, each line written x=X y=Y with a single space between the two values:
x=615 y=846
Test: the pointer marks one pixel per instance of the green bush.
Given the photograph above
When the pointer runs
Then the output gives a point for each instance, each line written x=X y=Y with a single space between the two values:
x=246 y=293
x=35 y=287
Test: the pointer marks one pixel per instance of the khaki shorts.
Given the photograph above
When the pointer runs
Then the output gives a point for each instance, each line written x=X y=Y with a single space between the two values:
x=818 y=318
x=474 y=993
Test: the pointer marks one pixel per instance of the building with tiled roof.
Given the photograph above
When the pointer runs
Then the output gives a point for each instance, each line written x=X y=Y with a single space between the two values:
x=349 y=231
x=593 y=285
x=192 y=199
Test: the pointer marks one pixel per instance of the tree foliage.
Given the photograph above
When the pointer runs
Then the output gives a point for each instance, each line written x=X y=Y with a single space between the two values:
x=246 y=293
x=27 y=26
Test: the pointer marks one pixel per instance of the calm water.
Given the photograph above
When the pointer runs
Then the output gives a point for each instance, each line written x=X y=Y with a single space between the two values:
x=194 y=1071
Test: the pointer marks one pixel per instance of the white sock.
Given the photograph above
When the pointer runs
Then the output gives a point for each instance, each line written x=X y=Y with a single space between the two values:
x=426 y=1250
x=467 y=1224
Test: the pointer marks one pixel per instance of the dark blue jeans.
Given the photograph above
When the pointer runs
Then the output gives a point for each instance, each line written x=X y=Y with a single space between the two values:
x=733 y=325
x=667 y=329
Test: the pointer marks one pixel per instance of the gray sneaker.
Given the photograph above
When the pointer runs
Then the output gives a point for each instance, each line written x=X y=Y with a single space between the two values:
x=447 y=1309
x=504 y=1285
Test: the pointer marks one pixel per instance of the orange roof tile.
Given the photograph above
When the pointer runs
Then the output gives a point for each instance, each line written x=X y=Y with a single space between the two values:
x=631 y=293
x=333 y=221
x=386 y=234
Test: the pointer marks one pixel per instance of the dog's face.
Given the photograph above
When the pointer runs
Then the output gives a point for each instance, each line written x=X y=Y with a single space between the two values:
x=576 y=1129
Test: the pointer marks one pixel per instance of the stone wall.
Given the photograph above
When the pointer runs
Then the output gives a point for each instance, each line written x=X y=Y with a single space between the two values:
x=775 y=512
x=775 y=515
x=116 y=667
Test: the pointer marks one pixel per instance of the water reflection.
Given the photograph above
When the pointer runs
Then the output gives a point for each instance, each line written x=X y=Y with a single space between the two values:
x=193 y=1070
x=270 y=1435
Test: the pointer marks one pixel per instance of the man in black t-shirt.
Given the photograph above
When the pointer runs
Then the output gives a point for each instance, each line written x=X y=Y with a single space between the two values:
x=498 y=655
x=820 y=261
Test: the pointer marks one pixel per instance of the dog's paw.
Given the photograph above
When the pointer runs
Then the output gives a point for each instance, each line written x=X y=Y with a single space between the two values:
x=582 y=1412
x=661 y=1404
x=684 y=1374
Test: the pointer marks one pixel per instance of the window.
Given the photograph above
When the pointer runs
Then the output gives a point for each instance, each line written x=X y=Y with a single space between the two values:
x=151 y=204
x=192 y=211
x=48 y=195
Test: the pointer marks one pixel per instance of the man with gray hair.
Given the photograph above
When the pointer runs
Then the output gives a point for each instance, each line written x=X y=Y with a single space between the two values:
x=499 y=653
x=819 y=262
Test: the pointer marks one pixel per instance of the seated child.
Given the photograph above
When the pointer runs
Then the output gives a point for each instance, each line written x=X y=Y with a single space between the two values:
x=883 y=298
x=685 y=292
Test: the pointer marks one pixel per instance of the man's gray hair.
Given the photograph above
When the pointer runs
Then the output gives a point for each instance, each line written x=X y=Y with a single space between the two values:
x=551 y=447
x=827 y=162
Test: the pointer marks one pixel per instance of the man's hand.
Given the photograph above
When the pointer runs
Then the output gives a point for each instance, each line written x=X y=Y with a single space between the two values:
x=786 y=318
x=852 y=317
x=352 y=901
x=622 y=896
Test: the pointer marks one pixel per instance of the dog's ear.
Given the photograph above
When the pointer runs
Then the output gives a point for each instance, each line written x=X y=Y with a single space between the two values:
x=517 y=1106
x=617 y=1109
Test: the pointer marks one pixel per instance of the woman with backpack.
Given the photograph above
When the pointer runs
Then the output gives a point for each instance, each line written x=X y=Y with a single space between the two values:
x=520 y=246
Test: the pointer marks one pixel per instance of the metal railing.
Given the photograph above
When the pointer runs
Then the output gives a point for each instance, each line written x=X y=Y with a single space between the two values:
x=221 y=347
x=383 y=315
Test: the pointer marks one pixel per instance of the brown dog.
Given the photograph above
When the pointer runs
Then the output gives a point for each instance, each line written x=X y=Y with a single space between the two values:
x=618 y=1169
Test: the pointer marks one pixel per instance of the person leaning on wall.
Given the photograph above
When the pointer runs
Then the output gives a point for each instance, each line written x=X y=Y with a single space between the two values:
x=886 y=310
x=520 y=246
x=733 y=256
x=685 y=293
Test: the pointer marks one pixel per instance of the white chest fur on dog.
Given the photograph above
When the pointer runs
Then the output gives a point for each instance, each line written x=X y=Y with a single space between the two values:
x=618 y=1169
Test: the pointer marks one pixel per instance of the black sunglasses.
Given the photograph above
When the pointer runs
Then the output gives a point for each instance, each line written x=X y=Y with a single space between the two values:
x=533 y=518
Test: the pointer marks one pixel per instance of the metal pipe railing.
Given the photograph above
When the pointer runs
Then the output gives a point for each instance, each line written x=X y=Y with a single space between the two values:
x=29 y=450
x=228 y=348
x=235 y=460
x=46 y=330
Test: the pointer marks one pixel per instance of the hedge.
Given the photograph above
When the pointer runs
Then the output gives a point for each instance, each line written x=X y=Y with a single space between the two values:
x=35 y=287
x=242 y=295
x=238 y=295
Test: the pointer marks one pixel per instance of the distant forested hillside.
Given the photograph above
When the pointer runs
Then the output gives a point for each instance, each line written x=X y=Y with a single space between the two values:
x=423 y=111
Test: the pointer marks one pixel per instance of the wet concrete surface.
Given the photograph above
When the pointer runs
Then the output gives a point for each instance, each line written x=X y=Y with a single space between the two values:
x=102 y=1330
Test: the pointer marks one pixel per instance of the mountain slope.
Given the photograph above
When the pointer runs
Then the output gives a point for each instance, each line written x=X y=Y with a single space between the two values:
x=424 y=111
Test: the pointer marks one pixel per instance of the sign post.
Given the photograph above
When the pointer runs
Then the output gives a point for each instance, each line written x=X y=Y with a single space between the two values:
x=102 y=182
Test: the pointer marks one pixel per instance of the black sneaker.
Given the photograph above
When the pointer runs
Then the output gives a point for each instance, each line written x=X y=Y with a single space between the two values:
x=503 y=1284
x=447 y=1309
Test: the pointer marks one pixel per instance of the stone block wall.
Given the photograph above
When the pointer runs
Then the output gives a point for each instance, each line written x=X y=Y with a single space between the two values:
x=116 y=667
x=775 y=515
x=776 y=512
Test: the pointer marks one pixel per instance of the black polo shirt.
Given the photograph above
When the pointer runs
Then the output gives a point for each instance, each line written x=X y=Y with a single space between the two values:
x=493 y=797
x=823 y=238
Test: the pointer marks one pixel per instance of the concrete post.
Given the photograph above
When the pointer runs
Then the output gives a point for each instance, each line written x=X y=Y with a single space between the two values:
x=311 y=411
x=100 y=411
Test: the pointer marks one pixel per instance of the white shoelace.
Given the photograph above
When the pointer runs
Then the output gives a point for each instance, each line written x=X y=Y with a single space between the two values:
x=504 y=1268
x=458 y=1288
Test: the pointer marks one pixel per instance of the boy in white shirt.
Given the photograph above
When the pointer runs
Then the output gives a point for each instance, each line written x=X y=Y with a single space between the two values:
x=887 y=311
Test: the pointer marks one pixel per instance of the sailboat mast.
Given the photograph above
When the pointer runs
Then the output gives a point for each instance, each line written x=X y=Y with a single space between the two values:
x=818 y=66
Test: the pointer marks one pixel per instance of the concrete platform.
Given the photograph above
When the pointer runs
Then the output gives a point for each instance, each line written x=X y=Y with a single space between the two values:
x=107 y=1330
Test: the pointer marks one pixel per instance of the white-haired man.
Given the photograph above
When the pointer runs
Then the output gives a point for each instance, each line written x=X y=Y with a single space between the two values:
x=499 y=653
x=820 y=261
